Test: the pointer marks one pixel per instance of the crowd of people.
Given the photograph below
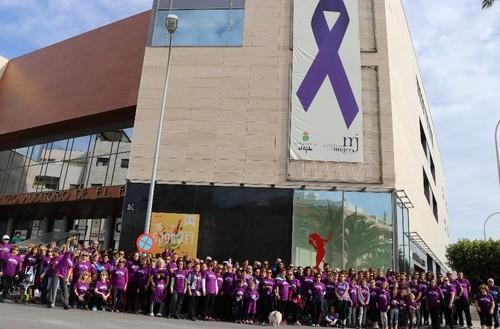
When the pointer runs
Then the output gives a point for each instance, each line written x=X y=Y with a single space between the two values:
x=165 y=285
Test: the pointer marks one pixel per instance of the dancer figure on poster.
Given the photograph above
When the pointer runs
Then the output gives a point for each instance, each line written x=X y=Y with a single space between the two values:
x=318 y=243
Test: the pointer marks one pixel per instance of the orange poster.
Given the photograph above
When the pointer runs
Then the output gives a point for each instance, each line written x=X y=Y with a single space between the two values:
x=175 y=232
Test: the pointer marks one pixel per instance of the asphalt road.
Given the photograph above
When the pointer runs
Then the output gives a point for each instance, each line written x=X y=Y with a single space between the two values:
x=18 y=316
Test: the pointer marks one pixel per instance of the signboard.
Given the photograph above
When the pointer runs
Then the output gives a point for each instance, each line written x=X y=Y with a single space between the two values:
x=95 y=193
x=175 y=232
x=326 y=118
x=145 y=243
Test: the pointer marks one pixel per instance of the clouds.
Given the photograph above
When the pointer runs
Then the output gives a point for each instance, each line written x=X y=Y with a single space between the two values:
x=458 y=47
x=28 y=25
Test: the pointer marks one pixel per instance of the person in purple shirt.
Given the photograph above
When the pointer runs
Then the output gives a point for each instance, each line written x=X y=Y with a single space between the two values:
x=31 y=259
x=383 y=303
x=485 y=306
x=267 y=294
x=251 y=298
x=449 y=293
x=330 y=284
x=372 y=313
x=62 y=272
x=343 y=300
x=462 y=301
x=364 y=301
x=283 y=295
x=294 y=298
x=81 y=290
x=158 y=281
x=238 y=302
x=119 y=282
x=178 y=287
x=195 y=290
x=434 y=298
x=101 y=292
x=132 y=267
x=210 y=290
x=229 y=283
x=354 y=304
x=394 y=309
x=318 y=300
x=12 y=264
x=142 y=280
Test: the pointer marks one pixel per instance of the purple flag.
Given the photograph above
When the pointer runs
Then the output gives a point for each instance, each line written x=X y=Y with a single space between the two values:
x=328 y=62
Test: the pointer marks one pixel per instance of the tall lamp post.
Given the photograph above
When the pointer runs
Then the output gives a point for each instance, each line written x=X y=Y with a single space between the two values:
x=171 y=24
x=486 y=221
x=498 y=152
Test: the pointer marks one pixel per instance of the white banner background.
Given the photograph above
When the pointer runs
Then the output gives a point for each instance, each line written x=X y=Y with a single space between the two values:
x=321 y=133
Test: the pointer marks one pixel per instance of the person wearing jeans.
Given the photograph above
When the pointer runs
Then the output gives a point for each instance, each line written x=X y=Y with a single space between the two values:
x=62 y=272
x=383 y=303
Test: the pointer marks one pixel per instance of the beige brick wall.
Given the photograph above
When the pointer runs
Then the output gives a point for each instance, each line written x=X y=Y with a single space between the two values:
x=228 y=110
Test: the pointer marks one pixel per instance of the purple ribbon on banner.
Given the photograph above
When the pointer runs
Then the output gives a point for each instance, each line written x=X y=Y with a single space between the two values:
x=328 y=62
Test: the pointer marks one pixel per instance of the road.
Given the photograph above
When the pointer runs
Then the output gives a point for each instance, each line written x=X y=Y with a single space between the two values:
x=18 y=316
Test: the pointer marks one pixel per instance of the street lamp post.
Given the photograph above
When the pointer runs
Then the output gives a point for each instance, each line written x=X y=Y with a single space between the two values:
x=171 y=25
x=486 y=221
x=498 y=152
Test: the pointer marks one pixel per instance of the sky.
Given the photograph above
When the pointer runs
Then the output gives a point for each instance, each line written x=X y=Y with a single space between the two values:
x=458 y=48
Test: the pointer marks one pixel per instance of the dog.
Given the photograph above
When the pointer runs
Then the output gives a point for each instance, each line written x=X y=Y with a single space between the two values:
x=275 y=318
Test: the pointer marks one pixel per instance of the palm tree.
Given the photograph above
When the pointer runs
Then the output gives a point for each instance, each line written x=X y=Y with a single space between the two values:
x=488 y=3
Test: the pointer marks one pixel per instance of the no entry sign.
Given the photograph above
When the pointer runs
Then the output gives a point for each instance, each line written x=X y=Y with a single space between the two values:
x=145 y=243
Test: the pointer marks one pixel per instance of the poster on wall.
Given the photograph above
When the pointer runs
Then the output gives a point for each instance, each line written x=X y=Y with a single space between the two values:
x=176 y=233
x=326 y=114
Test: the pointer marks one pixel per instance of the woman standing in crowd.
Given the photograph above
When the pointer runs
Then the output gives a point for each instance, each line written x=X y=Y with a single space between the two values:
x=485 y=306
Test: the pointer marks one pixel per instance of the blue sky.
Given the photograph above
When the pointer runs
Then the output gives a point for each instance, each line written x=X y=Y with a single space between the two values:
x=458 y=46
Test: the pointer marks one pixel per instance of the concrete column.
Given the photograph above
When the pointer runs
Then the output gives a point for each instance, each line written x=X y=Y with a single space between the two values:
x=108 y=231
x=44 y=226
x=10 y=226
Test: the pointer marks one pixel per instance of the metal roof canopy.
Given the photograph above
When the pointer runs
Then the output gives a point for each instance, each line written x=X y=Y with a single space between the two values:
x=420 y=243
x=404 y=199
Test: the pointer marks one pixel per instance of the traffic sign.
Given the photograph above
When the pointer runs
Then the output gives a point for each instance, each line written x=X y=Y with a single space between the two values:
x=145 y=243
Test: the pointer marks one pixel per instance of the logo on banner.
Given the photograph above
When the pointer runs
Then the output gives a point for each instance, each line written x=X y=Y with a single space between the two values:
x=328 y=62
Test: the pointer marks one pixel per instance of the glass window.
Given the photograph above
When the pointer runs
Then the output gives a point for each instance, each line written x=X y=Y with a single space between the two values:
x=207 y=27
x=368 y=230
x=101 y=161
x=124 y=163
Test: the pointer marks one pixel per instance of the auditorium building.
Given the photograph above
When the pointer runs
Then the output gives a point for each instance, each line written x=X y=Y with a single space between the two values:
x=295 y=129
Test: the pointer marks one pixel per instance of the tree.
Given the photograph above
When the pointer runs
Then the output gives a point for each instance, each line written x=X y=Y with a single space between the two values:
x=478 y=259
x=488 y=3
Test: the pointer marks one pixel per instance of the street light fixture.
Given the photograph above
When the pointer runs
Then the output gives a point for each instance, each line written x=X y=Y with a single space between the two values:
x=171 y=24
x=486 y=221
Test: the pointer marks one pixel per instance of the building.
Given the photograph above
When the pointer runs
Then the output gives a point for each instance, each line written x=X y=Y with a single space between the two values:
x=254 y=174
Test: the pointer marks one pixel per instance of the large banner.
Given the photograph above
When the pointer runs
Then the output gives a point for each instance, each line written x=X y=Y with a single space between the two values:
x=176 y=233
x=327 y=120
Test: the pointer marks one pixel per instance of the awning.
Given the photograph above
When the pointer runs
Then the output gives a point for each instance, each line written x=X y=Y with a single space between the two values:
x=420 y=243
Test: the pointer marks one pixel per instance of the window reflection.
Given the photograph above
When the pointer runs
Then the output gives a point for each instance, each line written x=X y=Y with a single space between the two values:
x=351 y=229
x=215 y=27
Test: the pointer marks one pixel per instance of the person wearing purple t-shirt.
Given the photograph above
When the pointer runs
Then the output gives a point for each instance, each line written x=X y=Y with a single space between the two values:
x=132 y=267
x=394 y=309
x=178 y=287
x=63 y=269
x=229 y=280
x=81 y=290
x=383 y=303
x=119 y=282
x=372 y=313
x=364 y=301
x=294 y=298
x=434 y=297
x=210 y=290
x=343 y=300
x=194 y=290
x=250 y=299
x=318 y=300
x=12 y=264
x=158 y=282
x=142 y=280
x=449 y=293
x=267 y=293
x=101 y=292
x=462 y=301
x=238 y=302
x=485 y=306
x=354 y=304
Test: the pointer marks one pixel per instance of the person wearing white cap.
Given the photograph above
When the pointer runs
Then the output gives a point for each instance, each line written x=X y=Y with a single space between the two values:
x=5 y=245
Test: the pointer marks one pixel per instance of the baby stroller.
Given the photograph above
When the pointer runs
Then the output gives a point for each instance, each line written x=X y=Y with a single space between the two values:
x=27 y=285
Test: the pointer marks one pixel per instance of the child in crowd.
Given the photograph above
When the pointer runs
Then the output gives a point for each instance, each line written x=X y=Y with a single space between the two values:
x=412 y=308
x=238 y=302
x=251 y=298
x=332 y=317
